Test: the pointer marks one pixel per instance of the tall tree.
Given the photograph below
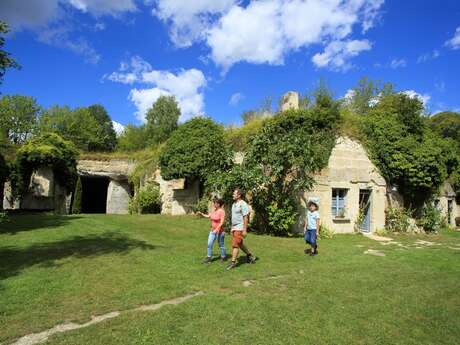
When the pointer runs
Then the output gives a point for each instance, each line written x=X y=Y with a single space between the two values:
x=133 y=138
x=18 y=118
x=109 y=137
x=446 y=124
x=162 y=119
x=6 y=61
x=366 y=93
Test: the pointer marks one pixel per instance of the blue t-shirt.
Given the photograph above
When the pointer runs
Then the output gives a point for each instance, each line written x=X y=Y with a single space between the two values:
x=240 y=209
x=311 y=220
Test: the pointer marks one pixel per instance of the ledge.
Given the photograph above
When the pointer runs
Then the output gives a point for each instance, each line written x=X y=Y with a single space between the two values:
x=341 y=220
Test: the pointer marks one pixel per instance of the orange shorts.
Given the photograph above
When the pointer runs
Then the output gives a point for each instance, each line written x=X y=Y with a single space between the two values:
x=237 y=239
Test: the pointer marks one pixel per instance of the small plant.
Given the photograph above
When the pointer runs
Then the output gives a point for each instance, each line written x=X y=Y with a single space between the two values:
x=342 y=212
x=325 y=232
x=381 y=232
x=431 y=219
x=4 y=217
x=146 y=200
x=397 y=219
x=202 y=205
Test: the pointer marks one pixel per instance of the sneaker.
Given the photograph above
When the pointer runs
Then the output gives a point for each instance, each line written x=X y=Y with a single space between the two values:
x=314 y=253
x=231 y=266
x=251 y=259
x=207 y=260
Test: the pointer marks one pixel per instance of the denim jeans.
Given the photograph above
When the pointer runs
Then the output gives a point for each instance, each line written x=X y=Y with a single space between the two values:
x=310 y=237
x=220 y=239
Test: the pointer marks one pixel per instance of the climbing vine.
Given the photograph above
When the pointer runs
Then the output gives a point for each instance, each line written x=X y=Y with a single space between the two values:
x=47 y=150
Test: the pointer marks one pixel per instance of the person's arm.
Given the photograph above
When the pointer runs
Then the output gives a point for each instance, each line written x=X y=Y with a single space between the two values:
x=245 y=224
x=318 y=224
x=203 y=214
x=305 y=225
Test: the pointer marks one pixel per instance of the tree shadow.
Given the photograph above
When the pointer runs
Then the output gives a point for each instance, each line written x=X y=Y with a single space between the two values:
x=13 y=259
x=27 y=221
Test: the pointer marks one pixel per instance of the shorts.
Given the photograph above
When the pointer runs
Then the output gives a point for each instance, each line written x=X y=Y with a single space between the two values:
x=237 y=238
x=310 y=237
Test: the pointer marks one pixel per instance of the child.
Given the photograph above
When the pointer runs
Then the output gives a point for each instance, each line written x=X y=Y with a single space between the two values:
x=311 y=228
x=217 y=217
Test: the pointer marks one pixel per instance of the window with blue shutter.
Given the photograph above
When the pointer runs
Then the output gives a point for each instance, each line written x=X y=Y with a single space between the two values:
x=338 y=202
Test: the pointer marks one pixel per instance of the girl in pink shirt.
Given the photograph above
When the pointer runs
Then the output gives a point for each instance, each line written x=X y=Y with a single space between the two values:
x=217 y=217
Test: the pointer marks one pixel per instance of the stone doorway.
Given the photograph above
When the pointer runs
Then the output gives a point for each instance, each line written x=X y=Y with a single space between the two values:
x=94 y=194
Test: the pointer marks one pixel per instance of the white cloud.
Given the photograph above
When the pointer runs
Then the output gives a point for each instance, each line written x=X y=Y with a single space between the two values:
x=189 y=20
x=396 y=63
x=424 y=98
x=60 y=37
x=118 y=127
x=235 y=99
x=30 y=14
x=104 y=7
x=428 y=56
x=186 y=85
x=337 y=53
x=441 y=86
x=263 y=31
x=454 y=42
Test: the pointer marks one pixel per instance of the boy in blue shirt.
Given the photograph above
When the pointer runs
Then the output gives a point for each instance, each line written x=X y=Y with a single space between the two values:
x=311 y=228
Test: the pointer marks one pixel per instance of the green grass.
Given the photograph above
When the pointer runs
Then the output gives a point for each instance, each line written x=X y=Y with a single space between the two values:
x=55 y=269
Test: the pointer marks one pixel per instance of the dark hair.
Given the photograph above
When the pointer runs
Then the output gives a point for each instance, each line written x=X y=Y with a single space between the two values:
x=240 y=192
x=219 y=201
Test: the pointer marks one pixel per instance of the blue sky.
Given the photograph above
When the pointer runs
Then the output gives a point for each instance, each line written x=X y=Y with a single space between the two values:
x=221 y=57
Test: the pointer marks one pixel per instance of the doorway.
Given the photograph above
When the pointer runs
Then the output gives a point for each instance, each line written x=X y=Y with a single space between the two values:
x=94 y=194
x=365 y=210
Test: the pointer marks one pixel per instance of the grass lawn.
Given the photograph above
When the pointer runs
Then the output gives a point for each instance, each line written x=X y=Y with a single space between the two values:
x=57 y=269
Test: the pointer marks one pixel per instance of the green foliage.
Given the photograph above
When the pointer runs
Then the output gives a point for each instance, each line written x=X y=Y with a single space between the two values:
x=4 y=217
x=18 y=118
x=447 y=125
x=47 y=150
x=196 y=149
x=431 y=219
x=79 y=126
x=146 y=200
x=6 y=61
x=406 y=152
x=238 y=137
x=133 y=138
x=77 y=197
x=4 y=171
x=108 y=139
x=145 y=167
x=202 y=205
x=397 y=219
x=365 y=93
x=162 y=119
x=326 y=233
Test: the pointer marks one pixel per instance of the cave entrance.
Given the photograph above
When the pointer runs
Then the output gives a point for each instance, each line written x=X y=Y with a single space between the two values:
x=94 y=194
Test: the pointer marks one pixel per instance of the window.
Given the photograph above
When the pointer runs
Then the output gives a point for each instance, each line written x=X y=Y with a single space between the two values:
x=338 y=202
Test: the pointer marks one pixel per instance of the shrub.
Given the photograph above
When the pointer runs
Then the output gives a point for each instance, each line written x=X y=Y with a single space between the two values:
x=202 y=205
x=4 y=217
x=146 y=200
x=431 y=219
x=325 y=232
x=196 y=149
x=381 y=232
x=397 y=219
x=76 y=203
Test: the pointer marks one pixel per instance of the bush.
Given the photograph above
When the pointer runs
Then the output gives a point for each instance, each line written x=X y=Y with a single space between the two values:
x=202 y=205
x=397 y=219
x=325 y=232
x=431 y=219
x=146 y=200
x=4 y=217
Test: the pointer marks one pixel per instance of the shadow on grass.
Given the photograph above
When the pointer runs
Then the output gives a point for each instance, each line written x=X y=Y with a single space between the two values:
x=13 y=260
x=27 y=221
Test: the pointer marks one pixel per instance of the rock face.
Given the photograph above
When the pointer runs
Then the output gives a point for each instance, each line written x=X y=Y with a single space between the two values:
x=118 y=195
x=40 y=195
x=290 y=101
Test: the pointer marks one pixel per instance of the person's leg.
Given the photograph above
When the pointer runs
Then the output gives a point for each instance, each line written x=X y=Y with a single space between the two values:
x=220 y=240
x=236 y=241
x=306 y=237
x=313 y=242
x=211 y=239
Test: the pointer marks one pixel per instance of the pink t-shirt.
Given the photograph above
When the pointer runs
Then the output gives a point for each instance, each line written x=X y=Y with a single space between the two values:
x=216 y=217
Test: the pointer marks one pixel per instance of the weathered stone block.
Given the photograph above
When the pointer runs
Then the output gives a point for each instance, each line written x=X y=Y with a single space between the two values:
x=118 y=194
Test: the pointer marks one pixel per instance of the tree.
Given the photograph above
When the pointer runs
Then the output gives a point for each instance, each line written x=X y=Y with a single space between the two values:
x=78 y=126
x=6 y=61
x=447 y=125
x=133 y=138
x=18 y=118
x=109 y=137
x=196 y=149
x=366 y=93
x=162 y=119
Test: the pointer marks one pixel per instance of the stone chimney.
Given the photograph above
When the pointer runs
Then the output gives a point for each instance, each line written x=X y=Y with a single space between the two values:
x=290 y=101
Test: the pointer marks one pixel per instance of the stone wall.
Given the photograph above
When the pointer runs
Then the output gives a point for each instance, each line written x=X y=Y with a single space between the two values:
x=350 y=169
x=290 y=101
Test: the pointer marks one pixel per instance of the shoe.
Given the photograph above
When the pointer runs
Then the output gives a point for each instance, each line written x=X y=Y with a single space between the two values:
x=207 y=260
x=251 y=259
x=223 y=258
x=314 y=253
x=231 y=266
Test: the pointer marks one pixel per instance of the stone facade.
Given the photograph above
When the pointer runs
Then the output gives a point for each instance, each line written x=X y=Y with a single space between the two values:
x=347 y=185
x=447 y=204
x=290 y=101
